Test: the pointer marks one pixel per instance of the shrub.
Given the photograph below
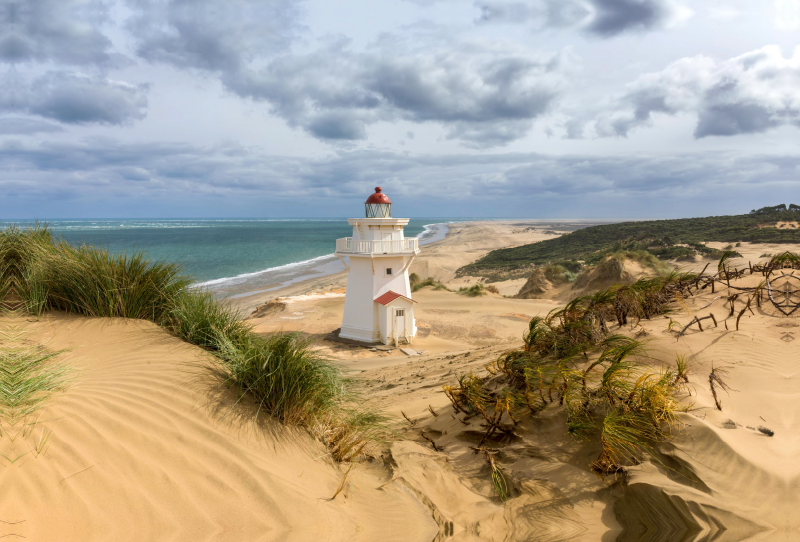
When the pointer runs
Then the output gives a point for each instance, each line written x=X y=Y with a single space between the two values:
x=473 y=291
x=430 y=281
x=558 y=274
x=492 y=289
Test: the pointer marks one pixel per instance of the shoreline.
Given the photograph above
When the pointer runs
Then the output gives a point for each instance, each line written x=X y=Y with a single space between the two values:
x=318 y=268
x=463 y=243
x=247 y=301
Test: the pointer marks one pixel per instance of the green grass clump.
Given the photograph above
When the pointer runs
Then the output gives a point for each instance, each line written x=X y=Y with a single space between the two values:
x=430 y=281
x=476 y=290
x=29 y=376
x=197 y=318
x=48 y=273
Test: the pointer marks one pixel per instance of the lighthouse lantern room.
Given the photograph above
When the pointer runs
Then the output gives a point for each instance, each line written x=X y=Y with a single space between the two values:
x=377 y=306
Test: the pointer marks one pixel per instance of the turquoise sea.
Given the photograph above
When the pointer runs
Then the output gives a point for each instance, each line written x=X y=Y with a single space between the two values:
x=231 y=257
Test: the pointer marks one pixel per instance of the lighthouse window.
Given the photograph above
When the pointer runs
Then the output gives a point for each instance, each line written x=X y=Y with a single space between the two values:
x=400 y=312
x=388 y=270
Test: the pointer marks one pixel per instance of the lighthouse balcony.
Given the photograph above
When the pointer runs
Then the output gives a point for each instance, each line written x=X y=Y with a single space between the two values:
x=347 y=245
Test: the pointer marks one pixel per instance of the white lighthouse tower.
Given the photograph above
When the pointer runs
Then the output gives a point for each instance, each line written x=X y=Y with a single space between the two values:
x=378 y=305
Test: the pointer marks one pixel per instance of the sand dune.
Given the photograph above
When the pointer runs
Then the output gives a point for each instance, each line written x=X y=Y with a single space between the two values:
x=148 y=444
x=143 y=450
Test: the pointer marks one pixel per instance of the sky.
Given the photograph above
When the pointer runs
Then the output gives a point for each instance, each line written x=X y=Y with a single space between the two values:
x=601 y=109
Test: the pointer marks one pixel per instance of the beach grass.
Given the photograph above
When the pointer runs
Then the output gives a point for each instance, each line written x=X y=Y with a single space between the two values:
x=418 y=283
x=29 y=376
x=286 y=378
x=614 y=396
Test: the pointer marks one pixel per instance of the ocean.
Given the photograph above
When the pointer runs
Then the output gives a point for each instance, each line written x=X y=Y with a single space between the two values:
x=232 y=257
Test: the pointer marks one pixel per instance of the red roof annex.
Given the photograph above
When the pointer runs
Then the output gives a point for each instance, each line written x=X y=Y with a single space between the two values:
x=390 y=296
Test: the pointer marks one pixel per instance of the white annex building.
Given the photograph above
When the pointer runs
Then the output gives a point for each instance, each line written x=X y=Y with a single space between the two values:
x=378 y=305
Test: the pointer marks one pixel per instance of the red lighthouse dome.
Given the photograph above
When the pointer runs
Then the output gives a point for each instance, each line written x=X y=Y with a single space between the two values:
x=378 y=197
x=378 y=205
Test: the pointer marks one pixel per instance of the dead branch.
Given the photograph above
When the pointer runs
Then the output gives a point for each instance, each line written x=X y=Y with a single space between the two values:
x=697 y=321
x=432 y=411
x=749 y=300
x=708 y=305
x=436 y=448
x=412 y=422
x=714 y=380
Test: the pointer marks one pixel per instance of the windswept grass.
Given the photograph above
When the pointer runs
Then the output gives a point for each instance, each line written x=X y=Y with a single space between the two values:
x=282 y=373
x=614 y=396
x=29 y=376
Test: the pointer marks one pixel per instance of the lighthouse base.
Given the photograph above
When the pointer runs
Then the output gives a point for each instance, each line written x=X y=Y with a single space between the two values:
x=362 y=335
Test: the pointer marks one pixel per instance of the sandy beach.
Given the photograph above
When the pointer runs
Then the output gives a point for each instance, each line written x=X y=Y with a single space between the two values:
x=147 y=443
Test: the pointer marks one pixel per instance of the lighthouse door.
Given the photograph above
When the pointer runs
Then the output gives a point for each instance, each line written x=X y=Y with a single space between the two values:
x=386 y=242
x=399 y=324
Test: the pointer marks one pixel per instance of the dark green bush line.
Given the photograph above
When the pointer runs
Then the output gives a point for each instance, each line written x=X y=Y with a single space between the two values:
x=661 y=238
x=288 y=381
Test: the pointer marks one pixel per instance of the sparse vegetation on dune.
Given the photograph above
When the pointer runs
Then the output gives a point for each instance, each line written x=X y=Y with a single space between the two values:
x=476 y=290
x=418 y=284
x=284 y=376
x=607 y=387
x=614 y=396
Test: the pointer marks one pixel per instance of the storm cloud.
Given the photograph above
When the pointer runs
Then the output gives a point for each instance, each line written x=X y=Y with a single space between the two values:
x=74 y=99
x=601 y=18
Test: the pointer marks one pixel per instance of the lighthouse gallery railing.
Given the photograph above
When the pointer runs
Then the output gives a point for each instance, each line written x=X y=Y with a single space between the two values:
x=395 y=246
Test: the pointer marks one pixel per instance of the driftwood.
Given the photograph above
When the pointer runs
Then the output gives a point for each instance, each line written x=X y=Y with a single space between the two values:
x=746 y=307
x=731 y=300
x=708 y=305
x=697 y=321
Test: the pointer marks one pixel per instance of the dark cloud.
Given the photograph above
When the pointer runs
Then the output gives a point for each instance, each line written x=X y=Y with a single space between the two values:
x=211 y=34
x=733 y=119
x=75 y=99
x=337 y=126
x=484 y=97
x=63 y=31
x=602 y=18
x=614 y=17
x=748 y=94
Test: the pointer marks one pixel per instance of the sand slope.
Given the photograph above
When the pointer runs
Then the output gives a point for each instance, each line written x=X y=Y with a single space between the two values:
x=141 y=452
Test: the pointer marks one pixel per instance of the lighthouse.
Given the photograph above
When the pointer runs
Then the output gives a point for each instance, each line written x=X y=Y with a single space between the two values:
x=377 y=306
